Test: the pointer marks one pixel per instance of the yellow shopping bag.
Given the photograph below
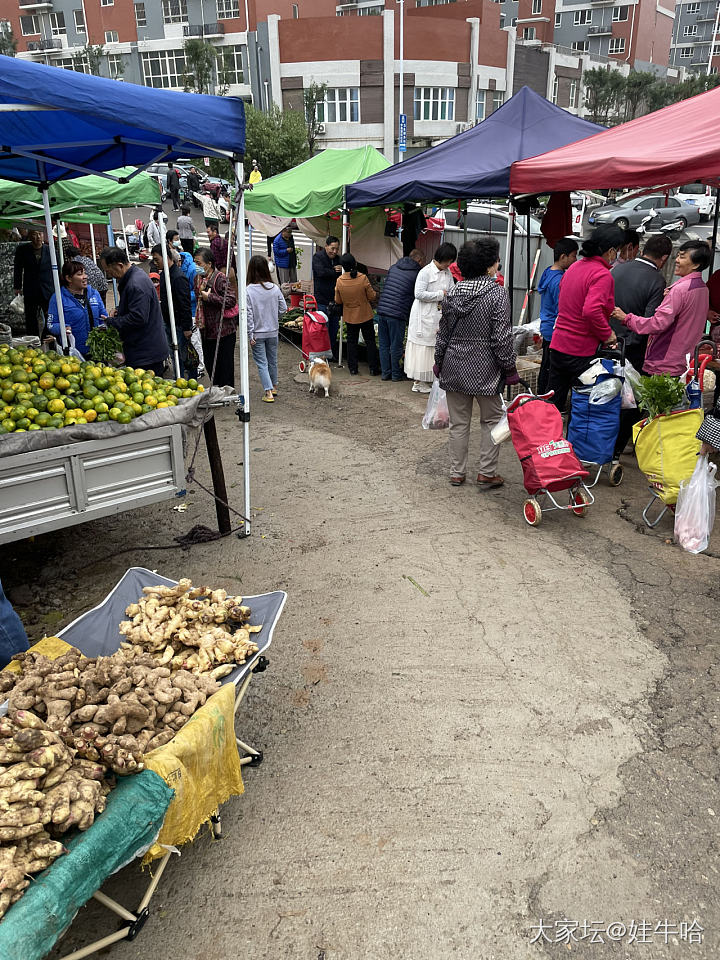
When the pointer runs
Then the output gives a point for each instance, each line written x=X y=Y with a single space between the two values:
x=666 y=449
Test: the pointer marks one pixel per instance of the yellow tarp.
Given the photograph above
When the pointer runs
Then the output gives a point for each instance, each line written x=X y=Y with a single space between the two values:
x=202 y=765
x=52 y=647
x=666 y=448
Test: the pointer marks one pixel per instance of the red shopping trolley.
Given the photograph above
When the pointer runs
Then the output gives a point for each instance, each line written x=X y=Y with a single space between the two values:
x=315 y=336
x=548 y=460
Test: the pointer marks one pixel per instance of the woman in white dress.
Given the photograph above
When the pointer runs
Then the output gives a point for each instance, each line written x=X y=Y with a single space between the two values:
x=431 y=286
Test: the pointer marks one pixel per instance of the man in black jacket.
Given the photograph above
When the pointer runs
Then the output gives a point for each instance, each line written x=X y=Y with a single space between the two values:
x=173 y=186
x=325 y=270
x=180 y=291
x=393 y=310
x=33 y=278
x=639 y=289
x=138 y=318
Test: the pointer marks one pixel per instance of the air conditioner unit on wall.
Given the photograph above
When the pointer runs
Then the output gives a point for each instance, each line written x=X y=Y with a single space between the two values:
x=320 y=129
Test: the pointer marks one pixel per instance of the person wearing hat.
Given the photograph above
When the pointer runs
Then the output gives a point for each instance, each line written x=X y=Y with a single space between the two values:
x=255 y=175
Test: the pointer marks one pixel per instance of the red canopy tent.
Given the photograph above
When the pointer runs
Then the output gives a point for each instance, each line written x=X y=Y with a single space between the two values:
x=675 y=145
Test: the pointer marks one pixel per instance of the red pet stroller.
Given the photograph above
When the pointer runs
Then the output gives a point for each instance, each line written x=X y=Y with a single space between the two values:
x=547 y=458
x=315 y=336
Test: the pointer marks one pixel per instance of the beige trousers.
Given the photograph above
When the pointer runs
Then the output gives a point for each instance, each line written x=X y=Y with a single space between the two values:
x=460 y=406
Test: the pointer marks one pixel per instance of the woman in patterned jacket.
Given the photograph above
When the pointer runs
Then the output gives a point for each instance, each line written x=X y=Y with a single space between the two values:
x=474 y=357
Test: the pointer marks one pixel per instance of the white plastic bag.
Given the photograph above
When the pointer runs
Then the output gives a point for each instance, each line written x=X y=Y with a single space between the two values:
x=604 y=391
x=501 y=431
x=437 y=415
x=17 y=305
x=695 y=511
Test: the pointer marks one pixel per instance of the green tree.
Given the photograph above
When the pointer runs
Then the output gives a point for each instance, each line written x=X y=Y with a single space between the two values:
x=603 y=92
x=200 y=65
x=313 y=95
x=89 y=56
x=277 y=139
x=8 y=43
x=637 y=86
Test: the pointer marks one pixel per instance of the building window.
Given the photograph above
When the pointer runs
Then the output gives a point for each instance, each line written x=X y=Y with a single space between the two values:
x=690 y=30
x=107 y=3
x=140 y=15
x=228 y=9
x=573 y=93
x=692 y=8
x=164 y=68
x=230 y=65
x=174 y=11
x=529 y=33
x=513 y=22
x=342 y=105
x=29 y=26
x=581 y=46
x=536 y=7
x=57 y=24
x=716 y=50
x=498 y=100
x=434 y=103
x=480 y=105
x=79 y=16
x=370 y=11
x=558 y=19
x=556 y=84
x=111 y=36
x=502 y=21
x=619 y=14
x=79 y=65
x=296 y=11
x=686 y=53
x=116 y=67
x=617 y=45
x=581 y=17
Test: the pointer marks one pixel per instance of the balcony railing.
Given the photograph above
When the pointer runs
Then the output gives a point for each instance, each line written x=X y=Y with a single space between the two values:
x=600 y=30
x=35 y=4
x=204 y=30
x=49 y=43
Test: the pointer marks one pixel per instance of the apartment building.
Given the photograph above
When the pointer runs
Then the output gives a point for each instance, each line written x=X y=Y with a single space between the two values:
x=695 y=44
x=461 y=59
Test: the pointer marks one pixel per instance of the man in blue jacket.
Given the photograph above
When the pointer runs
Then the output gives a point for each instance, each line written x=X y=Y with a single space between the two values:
x=285 y=256
x=138 y=318
x=393 y=310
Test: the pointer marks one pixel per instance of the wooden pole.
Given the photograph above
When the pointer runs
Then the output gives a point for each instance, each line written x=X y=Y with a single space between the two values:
x=218 y=476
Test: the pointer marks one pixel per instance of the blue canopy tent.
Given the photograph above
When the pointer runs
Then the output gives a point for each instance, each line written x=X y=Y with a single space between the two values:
x=475 y=164
x=58 y=124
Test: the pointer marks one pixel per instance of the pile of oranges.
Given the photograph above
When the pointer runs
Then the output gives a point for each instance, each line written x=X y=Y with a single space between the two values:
x=46 y=391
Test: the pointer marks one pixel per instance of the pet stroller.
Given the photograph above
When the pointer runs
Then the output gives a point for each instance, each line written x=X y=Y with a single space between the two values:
x=595 y=419
x=315 y=336
x=548 y=461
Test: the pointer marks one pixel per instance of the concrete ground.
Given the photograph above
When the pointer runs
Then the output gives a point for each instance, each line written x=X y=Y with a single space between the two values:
x=470 y=726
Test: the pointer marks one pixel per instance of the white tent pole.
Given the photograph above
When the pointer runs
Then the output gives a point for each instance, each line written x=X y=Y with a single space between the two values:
x=508 y=239
x=92 y=242
x=54 y=264
x=345 y=244
x=250 y=239
x=124 y=230
x=61 y=256
x=244 y=358
x=168 y=290
x=111 y=243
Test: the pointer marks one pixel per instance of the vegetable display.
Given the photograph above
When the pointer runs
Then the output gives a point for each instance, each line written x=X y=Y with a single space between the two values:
x=40 y=391
x=45 y=790
x=190 y=628
x=104 y=345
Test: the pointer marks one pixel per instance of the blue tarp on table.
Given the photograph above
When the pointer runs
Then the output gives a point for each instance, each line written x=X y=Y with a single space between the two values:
x=476 y=163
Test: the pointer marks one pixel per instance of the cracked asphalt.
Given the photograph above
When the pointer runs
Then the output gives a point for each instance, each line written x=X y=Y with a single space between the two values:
x=477 y=735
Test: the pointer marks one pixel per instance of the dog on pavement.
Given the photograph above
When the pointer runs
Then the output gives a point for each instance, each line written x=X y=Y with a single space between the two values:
x=320 y=376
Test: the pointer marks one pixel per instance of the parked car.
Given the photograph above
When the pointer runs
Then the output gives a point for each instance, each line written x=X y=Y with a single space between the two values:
x=631 y=213
x=701 y=196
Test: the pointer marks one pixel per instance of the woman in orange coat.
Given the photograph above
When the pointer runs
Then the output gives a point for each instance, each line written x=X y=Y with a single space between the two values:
x=354 y=292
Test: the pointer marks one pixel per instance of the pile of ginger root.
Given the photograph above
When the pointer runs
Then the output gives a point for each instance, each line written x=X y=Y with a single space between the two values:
x=190 y=628
x=45 y=790
x=110 y=710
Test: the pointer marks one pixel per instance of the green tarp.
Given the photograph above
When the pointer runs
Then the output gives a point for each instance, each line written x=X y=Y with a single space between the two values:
x=315 y=187
x=79 y=199
x=134 y=814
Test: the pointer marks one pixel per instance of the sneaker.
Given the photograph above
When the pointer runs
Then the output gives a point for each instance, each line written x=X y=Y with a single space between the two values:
x=420 y=387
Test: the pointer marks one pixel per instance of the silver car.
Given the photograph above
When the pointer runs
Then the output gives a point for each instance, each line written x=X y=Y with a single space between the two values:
x=631 y=213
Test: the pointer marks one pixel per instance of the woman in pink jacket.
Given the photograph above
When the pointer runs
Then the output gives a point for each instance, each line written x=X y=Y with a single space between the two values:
x=587 y=298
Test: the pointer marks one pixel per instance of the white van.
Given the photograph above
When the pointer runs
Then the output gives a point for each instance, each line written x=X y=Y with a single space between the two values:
x=700 y=196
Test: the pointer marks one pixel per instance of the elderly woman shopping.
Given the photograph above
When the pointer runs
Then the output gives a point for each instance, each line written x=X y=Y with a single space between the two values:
x=474 y=358
x=431 y=287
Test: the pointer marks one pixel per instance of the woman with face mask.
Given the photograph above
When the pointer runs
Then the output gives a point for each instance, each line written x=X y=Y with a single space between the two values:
x=217 y=319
